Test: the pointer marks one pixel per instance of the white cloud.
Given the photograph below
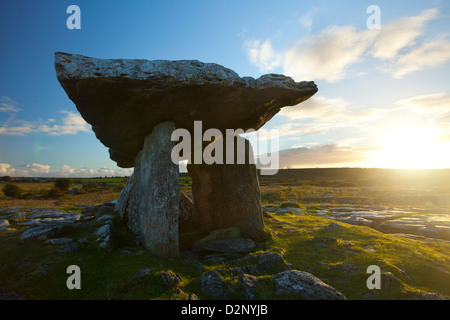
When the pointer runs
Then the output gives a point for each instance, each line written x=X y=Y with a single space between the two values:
x=8 y=105
x=401 y=34
x=307 y=20
x=430 y=54
x=262 y=54
x=6 y=169
x=41 y=170
x=71 y=123
x=324 y=114
x=330 y=155
x=31 y=170
x=327 y=55
x=436 y=103
x=401 y=47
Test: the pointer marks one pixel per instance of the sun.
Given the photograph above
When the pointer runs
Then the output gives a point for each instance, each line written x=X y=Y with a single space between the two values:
x=411 y=147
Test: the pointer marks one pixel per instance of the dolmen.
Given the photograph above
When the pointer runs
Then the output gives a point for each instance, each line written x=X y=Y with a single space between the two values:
x=141 y=109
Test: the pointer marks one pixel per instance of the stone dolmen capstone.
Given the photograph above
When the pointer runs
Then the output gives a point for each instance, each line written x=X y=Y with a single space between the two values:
x=134 y=106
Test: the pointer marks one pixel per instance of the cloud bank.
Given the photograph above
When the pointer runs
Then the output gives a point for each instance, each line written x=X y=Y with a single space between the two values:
x=399 y=48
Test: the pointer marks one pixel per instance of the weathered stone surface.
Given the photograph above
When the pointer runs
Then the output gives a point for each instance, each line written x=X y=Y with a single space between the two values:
x=45 y=232
x=305 y=286
x=248 y=285
x=270 y=260
x=212 y=283
x=390 y=282
x=290 y=205
x=124 y=99
x=122 y=203
x=228 y=195
x=153 y=207
x=171 y=279
x=187 y=212
x=58 y=241
x=4 y=225
x=235 y=245
x=141 y=273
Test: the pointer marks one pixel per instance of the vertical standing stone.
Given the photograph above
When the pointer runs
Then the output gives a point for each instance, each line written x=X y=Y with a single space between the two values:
x=122 y=203
x=228 y=195
x=155 y=194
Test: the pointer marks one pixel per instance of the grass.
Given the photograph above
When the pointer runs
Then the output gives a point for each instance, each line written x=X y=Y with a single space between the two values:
x=106 y=274
x=420 y=265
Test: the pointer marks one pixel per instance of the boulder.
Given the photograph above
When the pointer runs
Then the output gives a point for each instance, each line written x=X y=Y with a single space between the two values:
x=212 y=283
x=304 y=285
x=136 y=95
x=248 y=284
x=141 y=273
x=4 y=225
x=45 y=232
x=171 y=279
x=390 y=282
x=58 y=241
x=270 y=260
x=290 y=205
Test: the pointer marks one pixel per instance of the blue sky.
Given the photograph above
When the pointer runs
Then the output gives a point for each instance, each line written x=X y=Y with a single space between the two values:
x=383 y=100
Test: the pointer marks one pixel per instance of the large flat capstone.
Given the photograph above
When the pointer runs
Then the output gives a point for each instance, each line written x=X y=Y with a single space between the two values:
x=124 y=99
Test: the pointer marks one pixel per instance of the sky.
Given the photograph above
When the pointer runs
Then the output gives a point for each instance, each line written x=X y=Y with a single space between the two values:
x=383 y=99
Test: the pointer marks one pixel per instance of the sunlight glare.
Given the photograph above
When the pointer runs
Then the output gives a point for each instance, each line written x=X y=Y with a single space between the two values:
x=411 y=147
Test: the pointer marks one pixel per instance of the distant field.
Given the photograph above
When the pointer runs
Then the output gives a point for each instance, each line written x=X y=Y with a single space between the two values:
x=328 y=185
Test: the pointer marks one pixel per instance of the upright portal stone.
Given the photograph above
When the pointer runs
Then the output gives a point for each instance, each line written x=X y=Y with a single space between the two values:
x=228 y=195
x=153 y=206
x=122 y=203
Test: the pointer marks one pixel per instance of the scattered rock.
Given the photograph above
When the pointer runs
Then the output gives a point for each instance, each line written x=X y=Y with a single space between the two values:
x=24 y=263
x=350 y=267
x=4 y=224
x=390 y=282
x=45 y=232
x=106 y=217
x=333 y=226
x=192 y=296
x=370 y=248
x=70 y=247
x=171 y=279
x=141 y=273
x=104 y=209
x=249 y=269
x=214 y=258
x=58 y=241
x=248 y=284
x=212 y=283
x=425 y=296
x=323 y=240
x=83 y=240
x=290 y=205
x=269 y=260
x=305 y=286
x=44 y=269
x=103 y=231
x=11 y=295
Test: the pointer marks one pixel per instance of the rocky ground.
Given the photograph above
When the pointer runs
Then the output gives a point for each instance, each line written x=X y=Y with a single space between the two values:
x=228 y=266
x=416 y=223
